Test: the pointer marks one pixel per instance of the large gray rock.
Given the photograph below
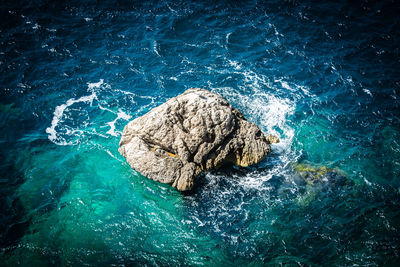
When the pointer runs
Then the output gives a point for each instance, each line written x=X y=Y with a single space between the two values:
x=191 y=133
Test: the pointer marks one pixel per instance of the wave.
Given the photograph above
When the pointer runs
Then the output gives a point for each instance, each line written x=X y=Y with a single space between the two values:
x=67 y=129
x=58 y=114
x=120 y=115
x=271 y=114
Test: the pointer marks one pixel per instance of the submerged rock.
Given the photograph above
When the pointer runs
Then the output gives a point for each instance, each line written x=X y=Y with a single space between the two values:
x=191 y=133
x=317 y=179
x=314 y=175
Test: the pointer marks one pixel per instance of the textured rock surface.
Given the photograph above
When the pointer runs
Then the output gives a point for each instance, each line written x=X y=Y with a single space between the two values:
x=193 y=132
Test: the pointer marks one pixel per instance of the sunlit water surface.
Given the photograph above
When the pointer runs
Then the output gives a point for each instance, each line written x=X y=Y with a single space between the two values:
x=323 y=77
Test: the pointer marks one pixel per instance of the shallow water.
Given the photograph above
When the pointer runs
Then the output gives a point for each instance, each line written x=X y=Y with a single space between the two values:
x=323 y=77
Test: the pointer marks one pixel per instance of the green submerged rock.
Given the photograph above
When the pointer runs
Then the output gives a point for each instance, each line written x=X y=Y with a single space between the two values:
x=311 y=174
x=319 y=174
x=316 y=179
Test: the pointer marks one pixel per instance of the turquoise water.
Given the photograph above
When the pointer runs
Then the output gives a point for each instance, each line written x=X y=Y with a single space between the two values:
x=323 y=77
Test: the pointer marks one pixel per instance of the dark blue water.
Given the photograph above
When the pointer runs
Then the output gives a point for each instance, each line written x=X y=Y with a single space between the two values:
x=324 y=77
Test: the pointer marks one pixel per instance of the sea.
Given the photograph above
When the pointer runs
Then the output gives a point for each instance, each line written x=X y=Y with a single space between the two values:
x=323 y=76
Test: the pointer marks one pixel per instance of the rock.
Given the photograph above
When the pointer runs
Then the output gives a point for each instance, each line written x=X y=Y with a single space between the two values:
x=314 y=180
x=319 y=175
x=272 y=139
x=191 y=133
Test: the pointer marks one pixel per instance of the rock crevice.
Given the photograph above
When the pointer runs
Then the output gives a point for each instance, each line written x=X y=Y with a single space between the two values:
x=191 y=133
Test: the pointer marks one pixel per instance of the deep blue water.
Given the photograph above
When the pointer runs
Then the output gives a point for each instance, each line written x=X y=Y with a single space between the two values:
x=324 y=77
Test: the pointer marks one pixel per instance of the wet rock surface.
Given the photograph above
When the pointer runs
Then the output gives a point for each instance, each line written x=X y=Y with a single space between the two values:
x=189 y=134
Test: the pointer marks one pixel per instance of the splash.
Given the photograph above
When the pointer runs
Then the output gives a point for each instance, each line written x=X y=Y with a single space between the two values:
x=266 y=110
x=58 y=114
x=92 y=86
x=271 y=113
x=120 y=115
x=61 y=133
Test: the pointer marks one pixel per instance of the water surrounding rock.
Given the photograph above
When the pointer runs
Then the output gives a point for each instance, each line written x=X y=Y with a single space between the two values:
x=191 y=133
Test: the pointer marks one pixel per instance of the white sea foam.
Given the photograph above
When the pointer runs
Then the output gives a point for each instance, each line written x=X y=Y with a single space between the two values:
x=154 y=45
x=112 y=155
x=171 y=9
x=267 y=110
x=227 y=37
x=269 y=104
x=235 y=64
x=293 y=87
x=271 y=114
x=59 y=113
x=120 y=115
x=368 y=92
x=286 y=85
x=275 y=30
x=68 y=130
x=92 y=86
